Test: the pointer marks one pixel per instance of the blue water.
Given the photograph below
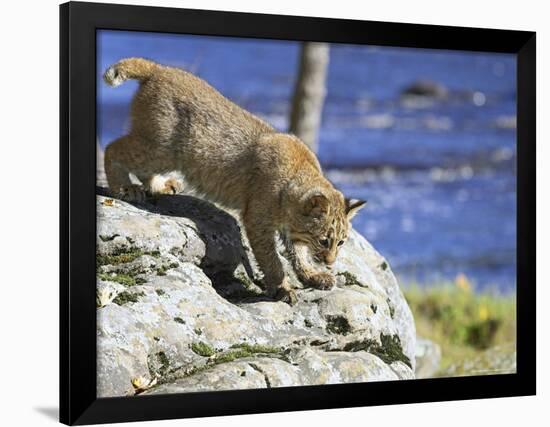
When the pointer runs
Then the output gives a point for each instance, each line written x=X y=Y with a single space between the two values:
x=439 y=177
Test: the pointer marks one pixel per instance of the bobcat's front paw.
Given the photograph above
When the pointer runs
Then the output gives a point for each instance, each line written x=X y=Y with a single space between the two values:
x=132 y=193
x=323 y=281
x=282 y=292
x=286 y=295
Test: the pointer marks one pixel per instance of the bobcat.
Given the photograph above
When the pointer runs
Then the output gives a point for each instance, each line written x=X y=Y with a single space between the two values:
x=179 y=123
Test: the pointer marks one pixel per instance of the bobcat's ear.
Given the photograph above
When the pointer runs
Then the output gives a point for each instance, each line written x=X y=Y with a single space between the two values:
x=316 y=205
x=353 y=206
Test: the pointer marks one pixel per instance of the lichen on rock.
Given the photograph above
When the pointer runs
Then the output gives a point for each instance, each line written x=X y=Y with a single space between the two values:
x=181 y=307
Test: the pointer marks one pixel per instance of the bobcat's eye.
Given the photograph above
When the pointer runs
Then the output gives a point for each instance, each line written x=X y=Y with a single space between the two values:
x=340 y=243
x=324 y=242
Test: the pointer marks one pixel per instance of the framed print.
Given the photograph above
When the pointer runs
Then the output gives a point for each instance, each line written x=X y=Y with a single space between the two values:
x=268 y=213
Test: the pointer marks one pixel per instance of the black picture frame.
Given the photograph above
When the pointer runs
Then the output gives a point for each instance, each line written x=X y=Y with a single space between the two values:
x=78 y=25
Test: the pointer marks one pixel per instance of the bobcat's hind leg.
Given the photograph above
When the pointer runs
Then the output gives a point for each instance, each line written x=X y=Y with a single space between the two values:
x=123 y=157
x=159 y=184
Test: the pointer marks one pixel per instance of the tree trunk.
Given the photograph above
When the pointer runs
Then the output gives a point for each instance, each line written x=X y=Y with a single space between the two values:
x=309 y=93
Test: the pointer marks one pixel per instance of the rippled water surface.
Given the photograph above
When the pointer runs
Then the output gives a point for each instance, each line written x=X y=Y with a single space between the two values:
x=439 y=176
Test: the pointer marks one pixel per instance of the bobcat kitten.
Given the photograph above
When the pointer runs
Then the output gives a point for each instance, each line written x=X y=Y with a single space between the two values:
x=179 y=123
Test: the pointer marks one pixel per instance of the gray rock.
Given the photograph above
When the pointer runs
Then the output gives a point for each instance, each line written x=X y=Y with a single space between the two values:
x=181 y=307
x=428 y=358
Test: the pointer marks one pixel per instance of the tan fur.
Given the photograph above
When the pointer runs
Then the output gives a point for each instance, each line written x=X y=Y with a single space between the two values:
x=179 y=123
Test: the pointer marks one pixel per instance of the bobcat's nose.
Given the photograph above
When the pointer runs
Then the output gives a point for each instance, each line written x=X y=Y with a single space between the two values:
x=329 y=259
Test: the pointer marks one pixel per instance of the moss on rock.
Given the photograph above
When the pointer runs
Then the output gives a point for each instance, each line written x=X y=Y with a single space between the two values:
x=202 y=349
x=338 y=325
x=389 y=348
x=350 y=278
x=123 y=255
x=164 y=362
x=127 y=297
x=256 y=348
x=391 y=308
x=241 y=350
x=122 y=278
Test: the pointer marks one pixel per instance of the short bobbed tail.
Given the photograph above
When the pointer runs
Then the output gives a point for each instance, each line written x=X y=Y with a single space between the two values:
x=130 y=68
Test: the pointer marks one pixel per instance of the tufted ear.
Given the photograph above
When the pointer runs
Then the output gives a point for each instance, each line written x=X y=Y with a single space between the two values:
x=353 y=206
x=316 y=205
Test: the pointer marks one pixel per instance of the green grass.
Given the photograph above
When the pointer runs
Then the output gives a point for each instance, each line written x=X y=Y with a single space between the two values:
x=462 y=322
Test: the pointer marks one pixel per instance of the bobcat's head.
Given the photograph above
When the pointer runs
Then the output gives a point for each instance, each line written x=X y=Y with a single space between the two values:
x=324 y=223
